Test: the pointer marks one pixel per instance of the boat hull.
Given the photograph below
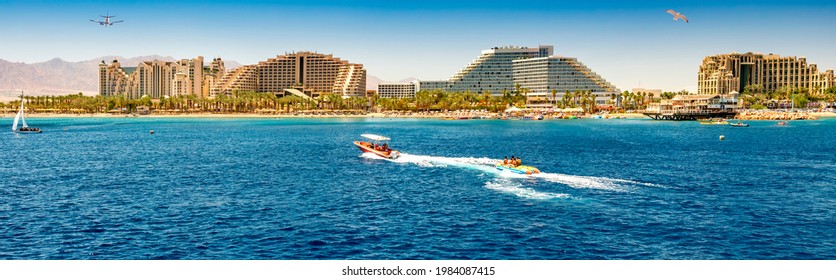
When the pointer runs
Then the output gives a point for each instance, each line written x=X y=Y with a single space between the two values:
x=367 y=147
x=522 y=169
x=28 y=132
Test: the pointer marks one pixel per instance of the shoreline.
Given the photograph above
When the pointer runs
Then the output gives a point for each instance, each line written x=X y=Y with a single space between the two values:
x=288 y=116
x=368 y=115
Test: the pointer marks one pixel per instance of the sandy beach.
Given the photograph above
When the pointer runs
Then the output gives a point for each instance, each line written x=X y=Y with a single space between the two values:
x=824 y=114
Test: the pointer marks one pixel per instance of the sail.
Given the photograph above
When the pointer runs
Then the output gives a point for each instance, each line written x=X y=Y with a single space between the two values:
x=17 y=118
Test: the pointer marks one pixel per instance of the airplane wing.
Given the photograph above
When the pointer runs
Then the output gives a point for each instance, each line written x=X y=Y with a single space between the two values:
x=94 y=21
x=118 y=21
x=671 y=12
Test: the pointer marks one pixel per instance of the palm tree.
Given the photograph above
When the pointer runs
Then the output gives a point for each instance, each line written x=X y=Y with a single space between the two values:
x=623 y=98
x=554 y=97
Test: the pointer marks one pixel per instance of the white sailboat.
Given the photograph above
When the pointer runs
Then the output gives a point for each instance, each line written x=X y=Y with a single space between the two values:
x=22 y=119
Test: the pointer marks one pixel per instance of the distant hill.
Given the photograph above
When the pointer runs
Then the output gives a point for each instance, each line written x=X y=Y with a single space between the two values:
x=372 y=81
x=59 y=77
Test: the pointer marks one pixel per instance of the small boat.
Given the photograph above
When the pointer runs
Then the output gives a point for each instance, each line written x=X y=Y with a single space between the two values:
x=783 y=123
x=522 y=169
x=713 y=121
x=374 y=147
x=740 y=124
x=20 y=118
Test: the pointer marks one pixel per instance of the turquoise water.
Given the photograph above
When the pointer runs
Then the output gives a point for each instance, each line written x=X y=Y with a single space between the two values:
x=298 y=189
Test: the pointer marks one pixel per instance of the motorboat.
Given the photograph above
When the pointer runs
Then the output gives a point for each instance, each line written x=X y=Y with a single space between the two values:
x=20 y=118
x=713 y=121
x=739 y=124
x=374 y=146
x=520 y=169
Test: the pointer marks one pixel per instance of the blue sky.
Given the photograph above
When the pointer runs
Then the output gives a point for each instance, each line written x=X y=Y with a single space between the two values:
x=627 y=42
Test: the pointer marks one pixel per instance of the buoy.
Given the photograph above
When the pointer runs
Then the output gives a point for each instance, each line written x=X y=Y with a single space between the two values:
x=152 y=131
x=722 y=137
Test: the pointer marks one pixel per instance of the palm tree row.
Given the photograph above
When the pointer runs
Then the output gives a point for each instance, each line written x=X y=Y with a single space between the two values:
x=424 y=100
x=754 y=96
x=238 y=102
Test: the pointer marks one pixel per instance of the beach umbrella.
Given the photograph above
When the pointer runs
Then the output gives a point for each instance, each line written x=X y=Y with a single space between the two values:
x=513 y=109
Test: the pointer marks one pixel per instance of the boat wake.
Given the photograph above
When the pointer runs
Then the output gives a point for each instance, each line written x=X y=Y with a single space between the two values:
x=505 y=184
x=516 y=188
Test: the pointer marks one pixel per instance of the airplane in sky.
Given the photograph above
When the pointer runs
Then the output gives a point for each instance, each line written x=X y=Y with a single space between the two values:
x=107 y=21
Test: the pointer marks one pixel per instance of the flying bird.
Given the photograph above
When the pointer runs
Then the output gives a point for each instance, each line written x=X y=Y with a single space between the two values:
x=677 y=16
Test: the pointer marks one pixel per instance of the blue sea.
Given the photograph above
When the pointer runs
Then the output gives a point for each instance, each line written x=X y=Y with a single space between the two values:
x=298 y=189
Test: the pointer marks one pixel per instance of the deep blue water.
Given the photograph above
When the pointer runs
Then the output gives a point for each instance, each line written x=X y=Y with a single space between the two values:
x=298 y=189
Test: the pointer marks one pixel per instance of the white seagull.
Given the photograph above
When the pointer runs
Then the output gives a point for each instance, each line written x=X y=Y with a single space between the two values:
x=677 y=16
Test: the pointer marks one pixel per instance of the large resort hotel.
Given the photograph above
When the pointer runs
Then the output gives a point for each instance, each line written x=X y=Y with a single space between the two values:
x=304 y=74
x=544 y=76
x=726 y=73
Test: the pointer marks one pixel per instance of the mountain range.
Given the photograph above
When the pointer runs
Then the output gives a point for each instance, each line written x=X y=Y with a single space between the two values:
x=60 y=77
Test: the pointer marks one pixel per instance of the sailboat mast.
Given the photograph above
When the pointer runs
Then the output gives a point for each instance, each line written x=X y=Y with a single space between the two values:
x=22 y=117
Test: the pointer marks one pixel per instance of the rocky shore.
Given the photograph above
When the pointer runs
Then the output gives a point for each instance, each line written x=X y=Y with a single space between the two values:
x=774 y=115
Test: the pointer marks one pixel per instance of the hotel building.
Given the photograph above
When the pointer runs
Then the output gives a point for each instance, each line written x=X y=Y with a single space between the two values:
x=157 y=78
x=721 y=74
x=550 y=77
x=397 y=90
x=493 y=70
x=304 y=74
x=536 y=69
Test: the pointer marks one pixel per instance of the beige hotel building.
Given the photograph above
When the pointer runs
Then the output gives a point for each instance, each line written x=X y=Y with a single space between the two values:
x=305 y=74
x=722 y=74
x=157 y=78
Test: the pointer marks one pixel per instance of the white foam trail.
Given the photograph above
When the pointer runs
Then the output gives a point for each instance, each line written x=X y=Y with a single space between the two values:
x=482 y=164
x=583 y=182
x=517 y=189
x=487 y=165
x=589 y=182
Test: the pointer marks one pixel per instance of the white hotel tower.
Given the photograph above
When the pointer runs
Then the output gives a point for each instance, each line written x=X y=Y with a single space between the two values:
x=535 y=69
x=493 y=70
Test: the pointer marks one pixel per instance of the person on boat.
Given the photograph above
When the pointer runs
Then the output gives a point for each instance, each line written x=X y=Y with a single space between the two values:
x=519 y=162
x=505 y=162
x=385 y=147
